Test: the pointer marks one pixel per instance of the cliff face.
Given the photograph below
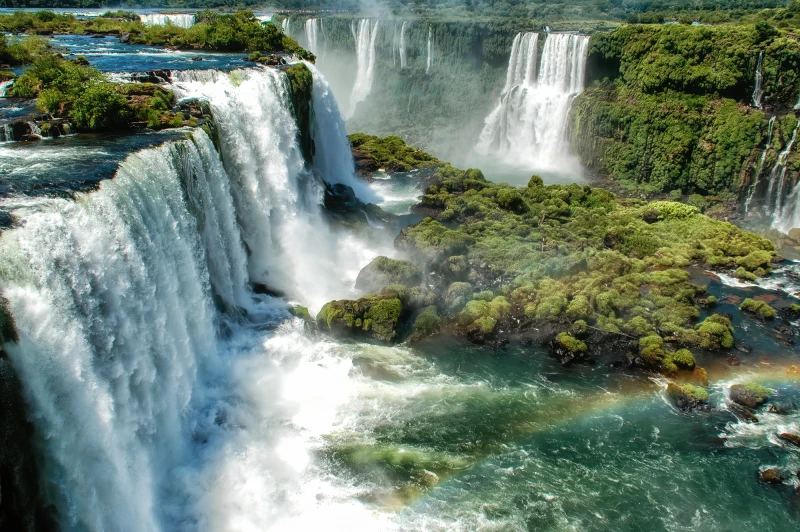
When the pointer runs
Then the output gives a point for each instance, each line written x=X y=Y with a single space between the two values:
x=21 y=505
x=677 y=107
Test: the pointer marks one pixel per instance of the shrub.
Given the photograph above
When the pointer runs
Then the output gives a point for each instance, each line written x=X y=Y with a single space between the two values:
x=100 y=107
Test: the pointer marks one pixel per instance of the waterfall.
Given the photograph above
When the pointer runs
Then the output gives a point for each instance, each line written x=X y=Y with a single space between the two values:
x=112 y=302
x=797 y=105
x=124 y=299
x=4 y=86
x=760 y=166
x=758 y=90
x=403 y=55
x=286 y=25
x=429 y=60
x=528 y=126
x=365 y=53
x=785 y=198
x=277 y=198
x=311 y=29
x=333 y=160
x=159 y=19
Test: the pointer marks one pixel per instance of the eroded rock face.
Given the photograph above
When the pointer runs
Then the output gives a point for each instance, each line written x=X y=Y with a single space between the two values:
x=788 y=437
x=770 y=476
x=383 y=271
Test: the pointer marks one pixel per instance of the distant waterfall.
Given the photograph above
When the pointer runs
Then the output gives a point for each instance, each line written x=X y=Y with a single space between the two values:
x=111 y=294
x=312 y=31
x=760 y=166
x=365 y=36
x=758 y=90
x=286 y=25
x=528 y=126
x=403 y=54
x=159 y=19
x=783 y=194
x=429 y=60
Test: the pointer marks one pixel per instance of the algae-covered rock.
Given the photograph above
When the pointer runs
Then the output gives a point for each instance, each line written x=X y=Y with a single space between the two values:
x=375 y=316
x=715 y=332
x=457 y=295
x=686 y=396
x=431 y=242
x=751 y=395
x=567 y=348
x=758 y=308
x=383 y=271
x=426 y=323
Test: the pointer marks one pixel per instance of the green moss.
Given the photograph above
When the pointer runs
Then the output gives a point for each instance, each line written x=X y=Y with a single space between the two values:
x=301 y=84
x=427 y=322
x=711 y=301
x=757 y=258
x=743 y=274
x=758 y=391
x=457 y=295
x=698 y=393
x=430 y=241
x=682 y=358
x=376 y=316
x=389 y=153
x=383 y=271
x=570 y=343
x=759 y=308
x=715 y=332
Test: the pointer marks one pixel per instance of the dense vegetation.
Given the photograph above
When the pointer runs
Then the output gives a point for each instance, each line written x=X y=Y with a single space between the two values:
x=572 y=266
x=389 y=153
x=671 y=106
x=236 y=32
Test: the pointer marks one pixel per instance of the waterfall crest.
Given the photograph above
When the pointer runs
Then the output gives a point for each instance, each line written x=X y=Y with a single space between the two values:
x=365 y=35
x=159 y=19
x=4 y=85
x=528 y=126
x=286 y=25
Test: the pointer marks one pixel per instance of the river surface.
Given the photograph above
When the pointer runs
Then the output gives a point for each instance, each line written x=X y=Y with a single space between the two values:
x=284 y=429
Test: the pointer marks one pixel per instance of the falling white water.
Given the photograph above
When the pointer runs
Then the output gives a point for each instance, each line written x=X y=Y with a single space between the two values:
x=527 y=129
x=760 y=166
x=365 y=55
x=403 y=54
x=112 y=302
x=4 y=85
x=797 y=105
x=312 y=30
x=758 y=90
x=333 y=160
x=277 y=199
x=787 y=201
x=286 y=25
x=429 y=60
x=159 y=19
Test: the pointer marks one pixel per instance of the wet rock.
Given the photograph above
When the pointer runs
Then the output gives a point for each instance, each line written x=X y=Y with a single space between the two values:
x=375 y=317
x=751 y=395
x=152 y=76
x=788 y=437
x=125 y=38
x=742 y=347
x=770 y=475
x=733 y=360
x=383 y=271
x=742 y=413
x=686 y=397
x=197 y=58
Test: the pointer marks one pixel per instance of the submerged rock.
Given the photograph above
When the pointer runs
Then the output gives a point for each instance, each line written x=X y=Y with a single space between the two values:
x=383 y=271
x=751 y=395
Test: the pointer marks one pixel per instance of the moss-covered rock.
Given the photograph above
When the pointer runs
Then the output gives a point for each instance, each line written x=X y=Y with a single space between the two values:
x=457 y=295
x=567 y=348
x=376 y=317
x=431 y=242
x=426 y=323
x=388 y=153
x=715 y=332
x=751 y=395
x=758 y=308
x=301 y=84
x=383 y=271
x=686 y=396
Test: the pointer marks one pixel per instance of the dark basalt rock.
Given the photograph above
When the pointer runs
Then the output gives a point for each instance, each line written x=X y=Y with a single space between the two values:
x=788 y=437
x=742 y=413
x=152 y=76
x=770 y=476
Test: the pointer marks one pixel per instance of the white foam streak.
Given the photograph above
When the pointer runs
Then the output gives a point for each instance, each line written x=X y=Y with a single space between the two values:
x=403 y=53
